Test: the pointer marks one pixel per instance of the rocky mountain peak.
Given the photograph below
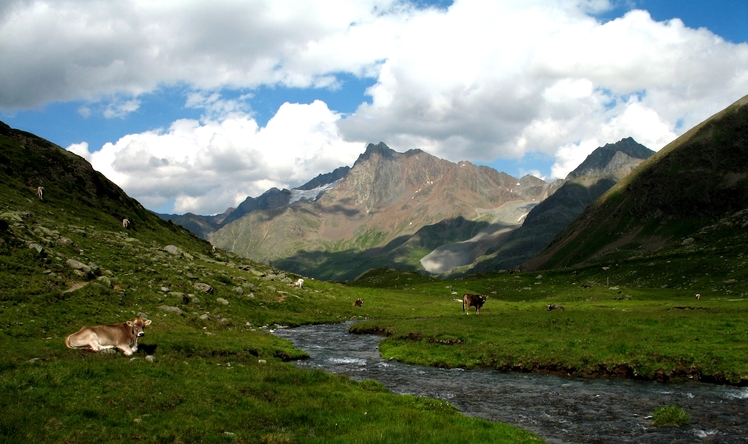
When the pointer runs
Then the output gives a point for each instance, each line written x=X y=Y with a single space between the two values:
x=372 y=150
x=601 y=161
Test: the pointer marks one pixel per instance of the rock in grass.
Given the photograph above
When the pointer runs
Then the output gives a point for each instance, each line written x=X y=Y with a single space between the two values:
x=105 y=281
x=39 y=249
x=172 y=249
x=170 y=309
x=205 y=288
x=78 y=265
x=222 y=301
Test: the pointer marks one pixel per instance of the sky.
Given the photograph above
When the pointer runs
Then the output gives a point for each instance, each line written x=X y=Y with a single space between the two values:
x=191 y=105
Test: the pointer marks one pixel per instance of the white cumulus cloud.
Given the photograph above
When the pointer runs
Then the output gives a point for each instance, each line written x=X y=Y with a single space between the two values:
x=206 y=167
x=480 y=80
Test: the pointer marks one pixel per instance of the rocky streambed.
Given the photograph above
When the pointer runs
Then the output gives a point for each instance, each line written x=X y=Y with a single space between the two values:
x=561 y=410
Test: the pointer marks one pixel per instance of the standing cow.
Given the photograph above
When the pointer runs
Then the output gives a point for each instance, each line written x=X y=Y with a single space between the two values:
x=473 y=300
x=122 y=336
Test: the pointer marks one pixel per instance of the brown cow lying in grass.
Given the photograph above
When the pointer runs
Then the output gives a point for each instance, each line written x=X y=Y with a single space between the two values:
x=358 y=303
x=122 y=336
x=473 y=300
x=552 y=307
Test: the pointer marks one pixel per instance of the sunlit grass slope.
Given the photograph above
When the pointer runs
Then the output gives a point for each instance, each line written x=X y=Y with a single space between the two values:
x=214 y=373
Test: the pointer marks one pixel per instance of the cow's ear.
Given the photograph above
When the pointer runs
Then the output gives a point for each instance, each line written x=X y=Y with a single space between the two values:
x=147 y=323
x=129 y=323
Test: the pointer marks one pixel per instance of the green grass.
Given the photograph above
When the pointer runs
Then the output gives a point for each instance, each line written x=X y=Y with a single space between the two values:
x=670 y=415
x=207 y=382
x=635 y=316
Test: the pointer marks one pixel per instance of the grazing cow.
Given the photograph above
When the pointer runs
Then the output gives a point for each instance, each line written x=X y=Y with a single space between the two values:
x=698 y=297
x=473 y=300
x=552 y=307
x=40 y=192
x=122 y=336
x=125 y=223
x=359 y=303
x=213 y=249
x=299 y=283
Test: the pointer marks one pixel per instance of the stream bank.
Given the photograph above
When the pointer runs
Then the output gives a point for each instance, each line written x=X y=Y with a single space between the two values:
x=560 y=409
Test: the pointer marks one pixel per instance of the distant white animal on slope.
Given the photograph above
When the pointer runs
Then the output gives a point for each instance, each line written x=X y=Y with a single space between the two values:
x=40 y=192
x=125 y=223
x=299 y=283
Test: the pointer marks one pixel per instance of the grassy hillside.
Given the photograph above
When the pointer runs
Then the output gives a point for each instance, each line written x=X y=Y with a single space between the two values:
x=693 y=182
x=217 y=375
x=213 y=374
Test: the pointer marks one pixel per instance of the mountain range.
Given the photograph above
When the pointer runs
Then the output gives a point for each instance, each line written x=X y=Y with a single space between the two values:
x=412 y=211
x=417 y=212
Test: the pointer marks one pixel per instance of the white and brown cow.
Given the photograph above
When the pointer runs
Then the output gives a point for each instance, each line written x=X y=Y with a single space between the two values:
x=122 y=336
x=554 y=307
x=473 y=300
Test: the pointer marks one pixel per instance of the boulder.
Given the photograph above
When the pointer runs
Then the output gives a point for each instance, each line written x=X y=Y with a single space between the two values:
x=78 y=265
x=239 y=290
x=170 y=309
x=205 y=288
x=172 y=249
x=39 y=249
x=222 y=301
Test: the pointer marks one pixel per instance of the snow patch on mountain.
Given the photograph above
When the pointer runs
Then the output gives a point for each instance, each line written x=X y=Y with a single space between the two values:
x=313 y=194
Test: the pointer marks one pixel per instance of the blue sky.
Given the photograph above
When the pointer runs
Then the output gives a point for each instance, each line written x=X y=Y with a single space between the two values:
x=194 y=106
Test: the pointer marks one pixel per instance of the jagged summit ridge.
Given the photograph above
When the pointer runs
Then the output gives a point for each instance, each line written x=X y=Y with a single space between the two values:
x=599 y=161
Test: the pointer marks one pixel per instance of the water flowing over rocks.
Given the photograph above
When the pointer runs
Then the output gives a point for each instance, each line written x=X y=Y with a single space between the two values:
x=561 y=410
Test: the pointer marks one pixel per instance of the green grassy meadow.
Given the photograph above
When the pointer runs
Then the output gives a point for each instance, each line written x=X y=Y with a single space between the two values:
x=218 y=375
x=213 y=374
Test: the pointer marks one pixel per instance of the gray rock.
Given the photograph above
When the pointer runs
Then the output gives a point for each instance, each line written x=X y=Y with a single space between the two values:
x=239 y=290
x=222 y=301
x=195 y=300
x=78 y=265
x=172 y=249
x=165 y=289
x=105 y=281
x=205 y=288
x=39 y=249
x=688 y=241
x=171 y=309
x=204 y=317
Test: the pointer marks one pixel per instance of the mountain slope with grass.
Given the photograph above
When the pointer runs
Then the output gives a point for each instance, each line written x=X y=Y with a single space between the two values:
x=207 y=369
x=696 y=182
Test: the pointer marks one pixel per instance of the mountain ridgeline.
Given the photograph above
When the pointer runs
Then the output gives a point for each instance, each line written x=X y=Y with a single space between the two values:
x=418 y=212
x=694 y=189
x=597 y=174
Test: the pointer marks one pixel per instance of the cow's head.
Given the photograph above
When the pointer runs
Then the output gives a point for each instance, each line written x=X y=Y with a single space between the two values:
x=483 y=298
x=138 y=326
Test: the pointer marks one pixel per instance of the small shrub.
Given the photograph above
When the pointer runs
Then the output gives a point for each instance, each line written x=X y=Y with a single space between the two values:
x=670 y=415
